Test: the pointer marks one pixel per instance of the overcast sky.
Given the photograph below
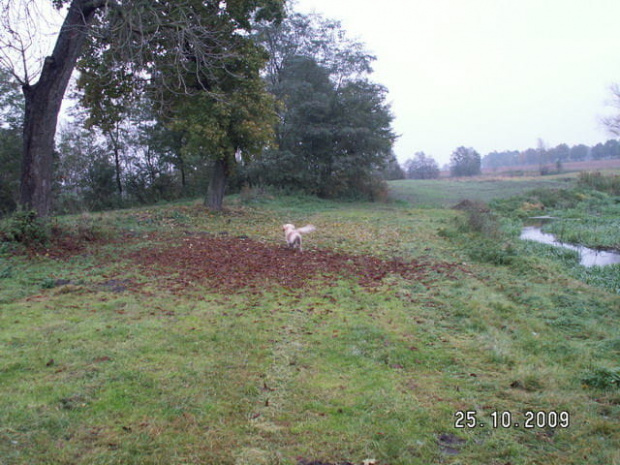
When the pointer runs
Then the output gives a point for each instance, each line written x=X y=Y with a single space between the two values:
x=488 y=74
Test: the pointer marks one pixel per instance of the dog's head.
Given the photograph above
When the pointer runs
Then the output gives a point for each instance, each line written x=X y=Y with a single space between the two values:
x=288 y=227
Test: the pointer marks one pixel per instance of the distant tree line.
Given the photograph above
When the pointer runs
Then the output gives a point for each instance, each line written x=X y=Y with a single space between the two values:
x=467 y=162
x=542 y=156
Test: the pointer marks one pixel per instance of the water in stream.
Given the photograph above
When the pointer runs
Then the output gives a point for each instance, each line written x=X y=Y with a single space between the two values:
x=587 y=257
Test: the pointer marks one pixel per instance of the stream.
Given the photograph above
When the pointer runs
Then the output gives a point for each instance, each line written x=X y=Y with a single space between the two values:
x=587 y=257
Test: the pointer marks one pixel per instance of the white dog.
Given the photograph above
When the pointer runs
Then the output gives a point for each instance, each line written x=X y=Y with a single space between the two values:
x=293 y=236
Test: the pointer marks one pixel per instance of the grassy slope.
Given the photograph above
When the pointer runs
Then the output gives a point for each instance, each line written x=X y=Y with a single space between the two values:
x=112 y=366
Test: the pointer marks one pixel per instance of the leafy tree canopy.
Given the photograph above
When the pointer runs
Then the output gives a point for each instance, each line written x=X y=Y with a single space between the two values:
x=200 y=71
x=334 y=132
x=11 y=101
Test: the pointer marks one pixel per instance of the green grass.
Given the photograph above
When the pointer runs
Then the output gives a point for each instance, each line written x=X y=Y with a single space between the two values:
x=438 y=193
x=104 y=362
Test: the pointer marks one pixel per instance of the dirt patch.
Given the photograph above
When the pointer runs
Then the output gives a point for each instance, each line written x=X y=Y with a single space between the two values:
x=64 y=245
x=228 y=263
x=449 y=444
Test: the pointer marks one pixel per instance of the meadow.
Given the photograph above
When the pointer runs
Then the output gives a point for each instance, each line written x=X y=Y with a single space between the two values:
x=447 y=193
x=405 y=333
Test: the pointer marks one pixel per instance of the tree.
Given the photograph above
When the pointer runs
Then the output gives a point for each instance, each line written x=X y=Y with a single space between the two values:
x=334 y=134
x=100 y=186
x=559 y=153
x=613 y=122
x=422 y=167
x=222 y=131
x=11 y=111
x=544 y=156
x=10 y=145
x=165 y=42
x=43 y=100
x=392 y=170
x=305 y=133
x=204 y=80
x=465 y=162
x=363 y=139
x=495 y=160
x=11 y=101
x=320 y=39
x=110 y=102
x=530 y=157
x=85 y=174
x=598 y=151
x=579 y=152
x=612 y=149
x=333 y=141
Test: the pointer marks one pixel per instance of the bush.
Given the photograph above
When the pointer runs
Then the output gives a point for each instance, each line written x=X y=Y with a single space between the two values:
x=26 y=228
x=479 y=219
x=7 y=198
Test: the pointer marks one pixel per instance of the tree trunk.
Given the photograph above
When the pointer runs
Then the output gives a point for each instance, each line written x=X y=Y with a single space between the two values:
x=116 y=148
x=217 y=186
x=181 y=166
x=43 y=101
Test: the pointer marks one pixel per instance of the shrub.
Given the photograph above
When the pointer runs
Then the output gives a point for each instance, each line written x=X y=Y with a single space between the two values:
x=479 y=219
x=26 y=228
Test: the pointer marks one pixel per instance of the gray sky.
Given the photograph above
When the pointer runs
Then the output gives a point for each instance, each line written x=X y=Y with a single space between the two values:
x=488 y=74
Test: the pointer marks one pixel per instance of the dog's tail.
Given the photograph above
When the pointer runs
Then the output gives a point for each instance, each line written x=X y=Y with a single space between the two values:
x=306 y=229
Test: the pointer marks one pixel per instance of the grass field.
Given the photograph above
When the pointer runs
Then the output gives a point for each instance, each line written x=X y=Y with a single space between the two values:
x=170 y=335
x=448 y=193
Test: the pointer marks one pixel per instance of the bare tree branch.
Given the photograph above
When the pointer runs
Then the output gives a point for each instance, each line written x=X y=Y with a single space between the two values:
x=27 y=32
x=613 y=122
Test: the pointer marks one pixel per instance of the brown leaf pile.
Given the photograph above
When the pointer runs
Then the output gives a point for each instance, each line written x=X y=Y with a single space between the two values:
x=228 y=264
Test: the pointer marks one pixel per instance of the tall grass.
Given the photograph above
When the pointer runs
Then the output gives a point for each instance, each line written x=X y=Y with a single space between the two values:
x=605 y=183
